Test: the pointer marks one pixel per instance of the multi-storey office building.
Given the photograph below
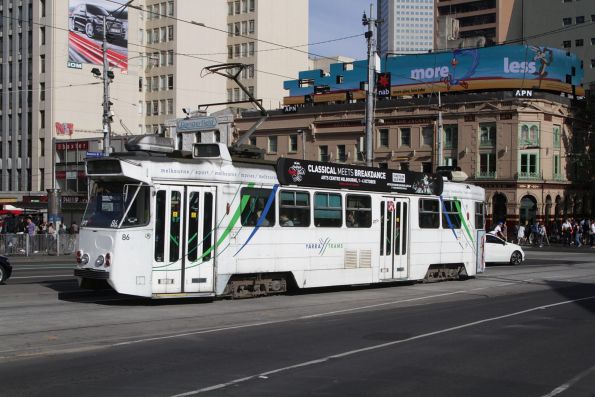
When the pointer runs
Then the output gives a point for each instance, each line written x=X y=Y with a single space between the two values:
x=524 y=152
x=496 y=20
x=566 y=24
x=260 y=33
x=407 y=26
x=178 y=39
x=46 y=97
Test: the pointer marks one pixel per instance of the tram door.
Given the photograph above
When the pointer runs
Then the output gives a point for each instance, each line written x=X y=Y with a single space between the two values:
x=199 y=236
x=394 y=242
x=168 y=255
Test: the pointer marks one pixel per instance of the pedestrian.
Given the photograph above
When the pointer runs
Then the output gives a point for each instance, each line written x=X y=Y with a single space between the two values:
x=592 y=233
x=497 y=231
x=541 y=232
x=566 y=231
x=521 y=234
x=577 y=234
x=74 y=228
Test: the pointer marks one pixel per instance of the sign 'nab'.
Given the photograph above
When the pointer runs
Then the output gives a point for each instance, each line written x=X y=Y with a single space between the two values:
x=383 y=85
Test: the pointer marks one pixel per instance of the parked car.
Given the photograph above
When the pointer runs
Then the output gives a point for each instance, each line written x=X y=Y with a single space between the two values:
x=500 y=251
x=5 y=269
x=88 y=18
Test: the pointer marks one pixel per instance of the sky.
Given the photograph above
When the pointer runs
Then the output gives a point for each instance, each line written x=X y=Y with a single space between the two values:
x=331 y=19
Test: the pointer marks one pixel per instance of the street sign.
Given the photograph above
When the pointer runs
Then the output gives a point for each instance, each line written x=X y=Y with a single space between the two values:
x=94 y=154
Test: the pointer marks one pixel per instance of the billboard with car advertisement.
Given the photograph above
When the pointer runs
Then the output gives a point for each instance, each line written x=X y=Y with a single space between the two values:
x=85 y=25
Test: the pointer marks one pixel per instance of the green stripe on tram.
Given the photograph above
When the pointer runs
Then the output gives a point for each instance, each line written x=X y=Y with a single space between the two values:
x=458 y=207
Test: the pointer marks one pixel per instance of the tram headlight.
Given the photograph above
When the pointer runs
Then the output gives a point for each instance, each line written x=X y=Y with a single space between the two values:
x=99 y=261
x=84 y=259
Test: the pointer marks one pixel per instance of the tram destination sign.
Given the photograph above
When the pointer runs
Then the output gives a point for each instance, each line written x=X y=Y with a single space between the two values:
x=340 y=176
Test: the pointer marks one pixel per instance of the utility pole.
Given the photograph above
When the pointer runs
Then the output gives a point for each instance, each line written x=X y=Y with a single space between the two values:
x=370 y=94
x=440 y=135
x=107 y=128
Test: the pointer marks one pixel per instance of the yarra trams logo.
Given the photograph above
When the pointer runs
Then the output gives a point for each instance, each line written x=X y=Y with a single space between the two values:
x=323 y=244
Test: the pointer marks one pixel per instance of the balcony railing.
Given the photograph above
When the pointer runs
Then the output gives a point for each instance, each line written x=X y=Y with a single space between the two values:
x=486 y=175
x=529 y=175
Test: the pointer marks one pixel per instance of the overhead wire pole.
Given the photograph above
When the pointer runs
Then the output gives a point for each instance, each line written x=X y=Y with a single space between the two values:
x=370 y=94
x=106 y=102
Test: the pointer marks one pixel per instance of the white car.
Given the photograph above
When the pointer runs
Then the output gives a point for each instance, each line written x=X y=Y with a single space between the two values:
x=500 y=251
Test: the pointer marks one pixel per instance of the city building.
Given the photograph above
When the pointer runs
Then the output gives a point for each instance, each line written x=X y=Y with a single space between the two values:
x=406 y=27
x=567 y=24
x=498 y=21
x=260 y=34
x=178 y=39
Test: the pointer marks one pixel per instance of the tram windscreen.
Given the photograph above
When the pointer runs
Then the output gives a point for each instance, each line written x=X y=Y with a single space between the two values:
x=117 y=204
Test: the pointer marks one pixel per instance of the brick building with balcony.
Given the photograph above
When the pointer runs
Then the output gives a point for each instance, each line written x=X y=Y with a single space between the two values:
x=528 y=153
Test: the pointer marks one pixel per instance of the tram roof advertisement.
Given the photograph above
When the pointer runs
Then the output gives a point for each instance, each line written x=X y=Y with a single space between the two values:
x=85 y=32
x=340 y=176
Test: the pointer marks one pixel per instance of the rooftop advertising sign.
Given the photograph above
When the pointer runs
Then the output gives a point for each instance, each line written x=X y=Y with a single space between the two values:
x=85 y=32
x=488 y=68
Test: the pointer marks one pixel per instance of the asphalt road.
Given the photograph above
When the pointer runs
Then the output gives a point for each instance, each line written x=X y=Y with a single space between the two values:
x=514 y=331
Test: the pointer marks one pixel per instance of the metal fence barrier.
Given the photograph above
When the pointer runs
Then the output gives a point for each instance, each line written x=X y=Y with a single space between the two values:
x=40 y=244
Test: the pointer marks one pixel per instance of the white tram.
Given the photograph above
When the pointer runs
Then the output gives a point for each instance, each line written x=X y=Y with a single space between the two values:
x=172 y=225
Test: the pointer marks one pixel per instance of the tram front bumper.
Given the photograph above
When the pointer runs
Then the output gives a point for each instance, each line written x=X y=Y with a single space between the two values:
x=92 y=274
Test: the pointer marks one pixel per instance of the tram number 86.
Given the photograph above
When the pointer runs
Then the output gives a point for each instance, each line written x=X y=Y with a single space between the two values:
x=126 y=237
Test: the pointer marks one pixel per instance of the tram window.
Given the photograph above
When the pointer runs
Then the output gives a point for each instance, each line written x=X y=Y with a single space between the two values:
x=328 y=210
x=294 y=209
x=358 y=211
x=174 y=227
x=138 y=214
x=452 y=214
x=159 y=225
x=404 y=220
x=479 y=215
x=429 y=214
x=255 y=207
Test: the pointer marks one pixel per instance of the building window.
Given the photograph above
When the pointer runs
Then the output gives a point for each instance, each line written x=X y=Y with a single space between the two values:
x=557 y=169
x=148 y=112
x=251 y=5
x=170 y=57
x=162 y=83
x=155 y=83
x=529 y=134
x=487 y=165
x=42 y=35
x=528 y=165
x=229 y=51
x=272 y=144
x=487 y=134
x=244 y=6
x=427 y=136
x=236 y=51
x=229 y=95
x=170 y=81
x=450 y=136
x=341 y=153
x=236 y=94
x=566 y=21
x=293 y=143
x=236 y=28
x=170 y=8
x=567 y=44
x=230 y=29
x=230 y=8
x=155 y=108
x=251 y=75
x=251 y=48
x=323 y=153
x=405 y=136
x=580 y=19
x=244 y=27
x=237 y=7
x=42 y=63
x=170 y=106
x=170 y=33
x=162 y=108
x=579 y=42
x=383 y=137
x=251 y=26
x=556 y=131
x=244 y=50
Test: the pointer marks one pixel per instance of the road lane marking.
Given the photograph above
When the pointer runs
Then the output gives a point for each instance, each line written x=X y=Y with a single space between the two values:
x=19 y=268
x=385 y=345
x=570 y=383
x=41 y=276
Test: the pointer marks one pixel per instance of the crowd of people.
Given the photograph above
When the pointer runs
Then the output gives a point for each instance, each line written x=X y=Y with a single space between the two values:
x=27 y=225
x=570 y=232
